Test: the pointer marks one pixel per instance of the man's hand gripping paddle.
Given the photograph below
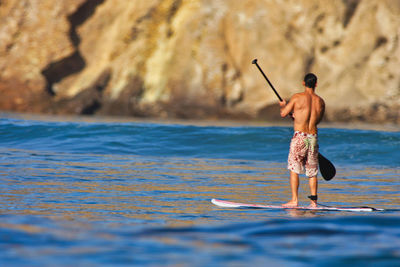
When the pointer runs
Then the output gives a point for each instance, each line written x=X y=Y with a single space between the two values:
x=326 y=167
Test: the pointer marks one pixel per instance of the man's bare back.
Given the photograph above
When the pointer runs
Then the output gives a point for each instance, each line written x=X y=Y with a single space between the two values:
x=307 y=109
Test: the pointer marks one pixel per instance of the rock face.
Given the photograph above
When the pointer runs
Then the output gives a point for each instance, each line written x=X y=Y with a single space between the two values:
x=192 y=58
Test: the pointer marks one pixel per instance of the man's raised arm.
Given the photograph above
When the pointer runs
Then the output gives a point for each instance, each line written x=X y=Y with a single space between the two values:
x=287 y=108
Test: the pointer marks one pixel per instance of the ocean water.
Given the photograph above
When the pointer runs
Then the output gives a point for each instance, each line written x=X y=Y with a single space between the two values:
x=109 y=193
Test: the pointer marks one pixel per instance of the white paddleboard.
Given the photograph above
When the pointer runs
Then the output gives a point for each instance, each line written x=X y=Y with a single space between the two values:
x=229 y=204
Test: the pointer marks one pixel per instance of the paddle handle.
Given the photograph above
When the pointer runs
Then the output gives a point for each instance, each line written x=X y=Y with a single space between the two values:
x=266 y=78
x=270 y=84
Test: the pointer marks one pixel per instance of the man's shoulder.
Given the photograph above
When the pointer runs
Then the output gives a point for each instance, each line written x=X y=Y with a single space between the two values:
x=317 y=97
x=320 y=99
x=298 y=95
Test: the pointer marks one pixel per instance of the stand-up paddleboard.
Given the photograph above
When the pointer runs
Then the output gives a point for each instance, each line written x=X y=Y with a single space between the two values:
x=229 y=204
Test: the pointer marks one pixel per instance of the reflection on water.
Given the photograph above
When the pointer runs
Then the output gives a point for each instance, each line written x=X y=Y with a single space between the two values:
x=60 y=209
x=170 y=190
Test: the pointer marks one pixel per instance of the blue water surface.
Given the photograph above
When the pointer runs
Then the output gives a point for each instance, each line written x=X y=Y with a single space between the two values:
x=94 y=193
x=344 y=146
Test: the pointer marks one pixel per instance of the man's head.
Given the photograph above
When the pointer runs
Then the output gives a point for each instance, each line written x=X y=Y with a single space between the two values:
x=310 y=80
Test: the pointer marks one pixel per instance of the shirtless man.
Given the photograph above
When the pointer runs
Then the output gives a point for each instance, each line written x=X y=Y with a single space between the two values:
x=307 y=110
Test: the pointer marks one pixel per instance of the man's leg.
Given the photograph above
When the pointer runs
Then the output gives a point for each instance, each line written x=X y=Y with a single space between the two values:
x=294 y=187
x=313 y=189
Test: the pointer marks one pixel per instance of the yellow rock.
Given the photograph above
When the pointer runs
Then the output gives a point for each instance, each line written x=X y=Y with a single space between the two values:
x=192 y=58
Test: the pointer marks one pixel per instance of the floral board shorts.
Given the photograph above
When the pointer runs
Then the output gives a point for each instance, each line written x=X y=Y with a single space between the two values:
x=303 y=154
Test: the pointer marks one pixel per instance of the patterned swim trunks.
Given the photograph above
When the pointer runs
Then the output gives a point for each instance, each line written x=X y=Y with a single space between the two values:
x=303 y=154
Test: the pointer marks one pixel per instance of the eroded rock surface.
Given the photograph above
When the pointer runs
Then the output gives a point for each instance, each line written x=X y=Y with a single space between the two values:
x=192 y=58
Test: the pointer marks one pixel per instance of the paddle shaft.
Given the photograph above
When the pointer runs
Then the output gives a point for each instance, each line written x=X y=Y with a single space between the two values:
x=270 y=84
x=266 y=78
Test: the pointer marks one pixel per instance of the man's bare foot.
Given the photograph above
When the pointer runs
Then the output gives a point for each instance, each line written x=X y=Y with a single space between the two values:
x=313 y=204
x=290 y=204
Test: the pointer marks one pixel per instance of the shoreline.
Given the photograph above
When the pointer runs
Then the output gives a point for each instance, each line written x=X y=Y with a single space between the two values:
x=194 y=122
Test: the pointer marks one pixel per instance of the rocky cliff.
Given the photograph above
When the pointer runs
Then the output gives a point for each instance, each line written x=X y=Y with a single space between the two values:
x=192 y=58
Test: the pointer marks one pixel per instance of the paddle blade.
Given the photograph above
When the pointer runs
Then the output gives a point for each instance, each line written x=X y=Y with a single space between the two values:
x=326 y=168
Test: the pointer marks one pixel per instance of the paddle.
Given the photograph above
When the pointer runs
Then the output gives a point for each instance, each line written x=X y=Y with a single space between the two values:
x=326 y=167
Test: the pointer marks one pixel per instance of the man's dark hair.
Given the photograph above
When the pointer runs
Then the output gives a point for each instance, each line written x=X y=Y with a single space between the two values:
x=310 y=80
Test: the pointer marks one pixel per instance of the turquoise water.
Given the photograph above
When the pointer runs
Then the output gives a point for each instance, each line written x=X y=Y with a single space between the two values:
x=138 y=193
